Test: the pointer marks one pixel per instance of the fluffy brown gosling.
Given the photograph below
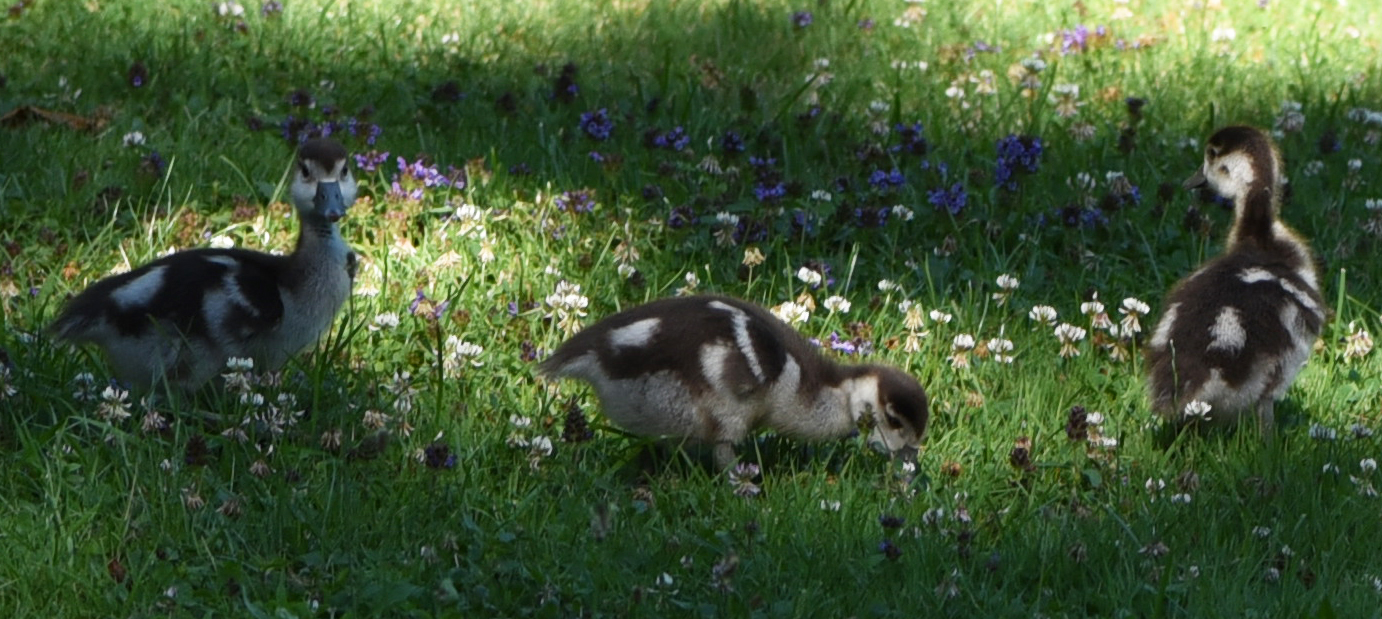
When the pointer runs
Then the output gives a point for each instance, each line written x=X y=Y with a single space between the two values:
x=179 y=318
x=1237 y=330
x=713 y=369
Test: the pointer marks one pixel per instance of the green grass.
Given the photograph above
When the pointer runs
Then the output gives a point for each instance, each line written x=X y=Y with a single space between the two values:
x=103 y=517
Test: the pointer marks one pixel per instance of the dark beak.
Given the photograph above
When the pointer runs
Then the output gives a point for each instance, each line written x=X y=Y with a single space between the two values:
x=329 y=203
x=1196 y=180
x=908 y=454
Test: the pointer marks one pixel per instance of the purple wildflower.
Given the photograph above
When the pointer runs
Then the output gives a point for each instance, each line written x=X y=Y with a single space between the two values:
x=370 y=161
x=886 y=181
x=301 y=98
x=597 y=124
x=910 y=139
x=1016 y=154
x=769 y=192
x=272 y=8
x=438 y=456
x=520 y=169
x=153 y=164
x=681 y=217
x=579 y=201
x=676 y=139
x=1076 y=39
x=139 y=75
x=872 y=217
x=732 y=143
x=867 y=24
x=952 y=200
x=889 y=549
x=565 y=89
x=802 y=19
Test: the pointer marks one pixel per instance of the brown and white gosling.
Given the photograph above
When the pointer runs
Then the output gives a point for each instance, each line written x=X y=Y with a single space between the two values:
x=182 y=316
x=712 y=369
x=1237 y=331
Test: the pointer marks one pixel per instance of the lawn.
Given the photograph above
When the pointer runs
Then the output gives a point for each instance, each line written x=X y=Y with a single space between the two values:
x=931 y=185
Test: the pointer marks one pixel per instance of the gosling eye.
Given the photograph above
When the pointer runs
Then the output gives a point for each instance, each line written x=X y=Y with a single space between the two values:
x=1223 y=169
x=894 y=422
x=302 y=168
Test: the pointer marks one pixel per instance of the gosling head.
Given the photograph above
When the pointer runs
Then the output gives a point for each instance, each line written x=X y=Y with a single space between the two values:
x=900 y=414
x=323 y=187
x=1238 y=160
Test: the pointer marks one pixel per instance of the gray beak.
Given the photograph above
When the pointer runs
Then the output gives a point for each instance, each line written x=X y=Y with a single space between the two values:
x=908 y=454
x=1196 y=180
x=329 y=202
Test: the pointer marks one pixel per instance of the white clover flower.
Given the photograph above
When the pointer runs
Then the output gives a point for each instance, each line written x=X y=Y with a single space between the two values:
x=1373 y=204
x=133 y=138
x=1069 y=335
x=791 y=312
x=1197 y=409
x=912 y=320
x=999 y=347
x=1008 y=282
x=726 y=218
x=1181 y=498
x=1223 y=34
x=809 y=276
x=1132 y=310
x=830 y=506
x=385 y=320
x=1330 y=468
x=941 y=317
x=962 y=342
x=1313 y=167
x=1066 y=98
x=821 y=195
x=1354 y=165
x=541 y=446
x=1090 y=308
x=1358 y=343
x=626 y=270
x=239 y=364
x=567 y=305
x=887 y=285
x=228 y=9
x=1367 y=465
x=1033 y=64
x=837 y=303
x=1323 y=433
x=1154 y=486
x=692 y=282
x=1043 y=314
x=1094 y=419
x=1261 y=532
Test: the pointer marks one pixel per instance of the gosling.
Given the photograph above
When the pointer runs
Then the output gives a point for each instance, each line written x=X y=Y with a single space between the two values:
x=712 y=369
x=179 y=318
x=1237 y=331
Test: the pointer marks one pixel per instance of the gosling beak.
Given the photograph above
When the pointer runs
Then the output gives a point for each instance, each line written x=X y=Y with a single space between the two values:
x=1196 y=180
x=908 y=454
x=329 y=202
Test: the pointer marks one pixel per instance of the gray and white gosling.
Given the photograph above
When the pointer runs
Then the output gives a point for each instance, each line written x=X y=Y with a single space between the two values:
x=179 y=318
x=712 y=369
x=1237 y=331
